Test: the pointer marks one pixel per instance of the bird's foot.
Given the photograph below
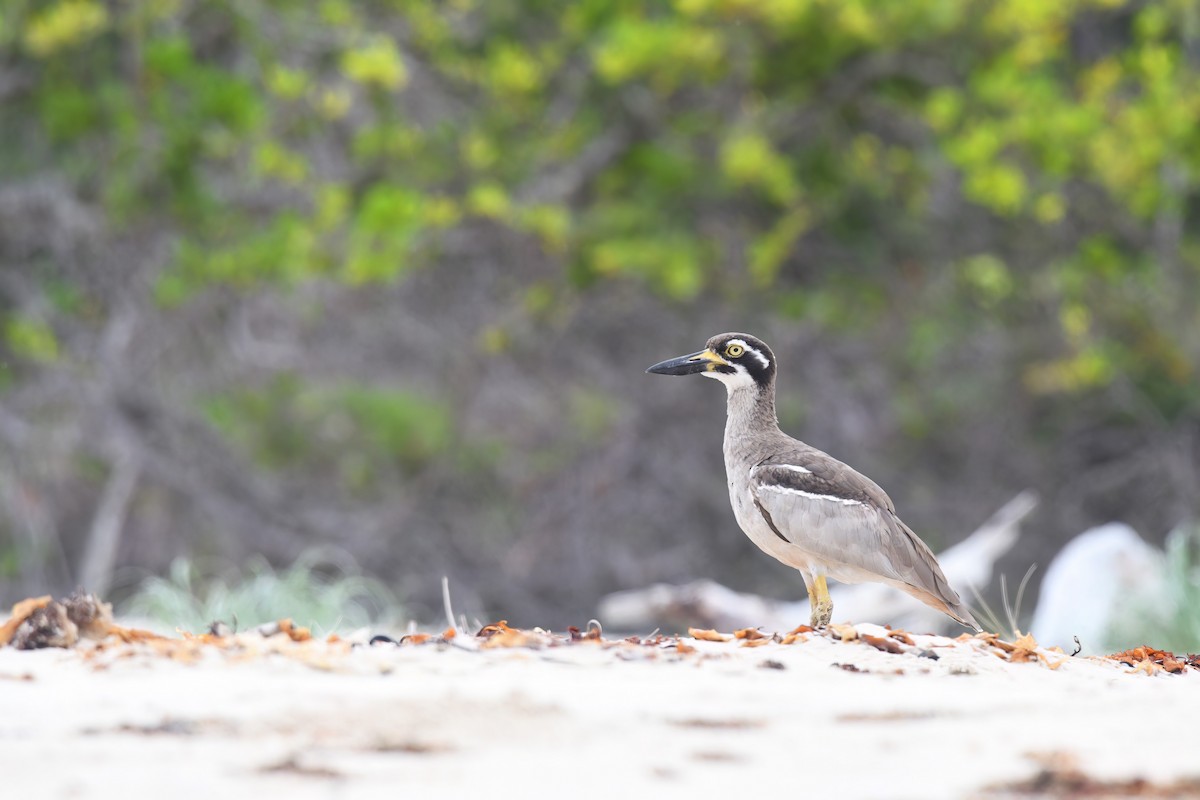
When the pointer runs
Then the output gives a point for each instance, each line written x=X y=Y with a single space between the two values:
x=820 y=602
x=821 y=617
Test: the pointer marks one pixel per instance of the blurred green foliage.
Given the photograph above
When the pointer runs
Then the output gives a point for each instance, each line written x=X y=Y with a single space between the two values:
x=365 y=436
x=141 y=103
x=760 y=113
x=30 y=339
x=955 y=166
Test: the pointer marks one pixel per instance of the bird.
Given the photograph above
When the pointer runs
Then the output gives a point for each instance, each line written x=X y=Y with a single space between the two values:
x=708 y=604
x=801 y=505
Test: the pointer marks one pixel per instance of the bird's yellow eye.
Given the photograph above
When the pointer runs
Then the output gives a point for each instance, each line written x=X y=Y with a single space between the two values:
x=734 y=350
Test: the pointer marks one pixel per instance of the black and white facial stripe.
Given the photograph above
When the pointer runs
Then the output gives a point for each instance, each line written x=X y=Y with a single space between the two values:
x=749 y=361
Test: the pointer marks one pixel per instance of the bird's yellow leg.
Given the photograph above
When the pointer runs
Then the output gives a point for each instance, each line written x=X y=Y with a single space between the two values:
x=820 y=601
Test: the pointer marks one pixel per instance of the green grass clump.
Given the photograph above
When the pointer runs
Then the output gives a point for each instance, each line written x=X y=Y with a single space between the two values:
x=312 y=592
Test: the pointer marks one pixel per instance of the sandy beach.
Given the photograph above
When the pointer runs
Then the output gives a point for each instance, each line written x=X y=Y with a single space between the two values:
x=533 y=714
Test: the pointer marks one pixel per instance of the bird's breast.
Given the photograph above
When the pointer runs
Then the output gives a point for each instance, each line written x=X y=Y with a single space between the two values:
x=750 y=519
x=752 y=522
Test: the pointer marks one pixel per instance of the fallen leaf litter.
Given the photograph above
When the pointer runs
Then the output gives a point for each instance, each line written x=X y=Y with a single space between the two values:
x=83 y=620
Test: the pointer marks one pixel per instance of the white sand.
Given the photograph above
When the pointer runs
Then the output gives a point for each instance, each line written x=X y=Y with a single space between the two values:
x=313 y=720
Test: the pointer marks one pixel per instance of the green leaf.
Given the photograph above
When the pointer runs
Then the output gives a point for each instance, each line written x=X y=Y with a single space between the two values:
x=31 y=339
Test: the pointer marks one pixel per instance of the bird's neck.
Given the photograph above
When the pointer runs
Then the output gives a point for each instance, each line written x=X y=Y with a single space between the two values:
x=750 y=410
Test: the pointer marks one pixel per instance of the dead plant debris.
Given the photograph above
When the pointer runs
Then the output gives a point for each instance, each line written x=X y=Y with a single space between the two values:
x=708 y=635
x=47 y=626
x=751 y=635
x=292 y=766
x=1151 y=660
x=412 y=746
x=1024 y=650
x=886 y=716
x=711 y=723
x=887 y=645
x=53 y=623
x=1061 y=776
x=83 y=617
x=21 y=612
x=717 y=756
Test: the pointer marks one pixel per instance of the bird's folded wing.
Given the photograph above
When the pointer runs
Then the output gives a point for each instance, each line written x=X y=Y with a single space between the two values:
x=838 y=515
x=806 y=467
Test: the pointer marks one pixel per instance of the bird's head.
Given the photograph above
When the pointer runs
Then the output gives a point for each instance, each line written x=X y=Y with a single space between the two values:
x=735 y=359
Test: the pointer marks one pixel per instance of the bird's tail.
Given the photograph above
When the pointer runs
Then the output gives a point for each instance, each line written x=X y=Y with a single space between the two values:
x=962 y=614
x=952 y=606
x=937 y=591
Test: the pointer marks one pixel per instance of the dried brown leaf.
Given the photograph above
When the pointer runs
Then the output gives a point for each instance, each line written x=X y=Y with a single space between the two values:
x=801 y=629
x=882 y=643
x=1024 y=649
x=755 y=642
x=293 y=631
x=749 y=633
x=1138 y=657
x=1052 y=664
x=129 y=635
x=684 y=648
x=495 y=629
x=1026 y=642
x=416 y=638
x=1148 y=667
x=510 y=637
x=708 y=635
x=847 y=633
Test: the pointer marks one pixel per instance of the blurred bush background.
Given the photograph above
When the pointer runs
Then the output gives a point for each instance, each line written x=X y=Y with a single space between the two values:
x=384 y=276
